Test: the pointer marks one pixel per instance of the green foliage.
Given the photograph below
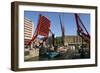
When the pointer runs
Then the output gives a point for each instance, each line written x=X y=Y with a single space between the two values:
x=58 y=41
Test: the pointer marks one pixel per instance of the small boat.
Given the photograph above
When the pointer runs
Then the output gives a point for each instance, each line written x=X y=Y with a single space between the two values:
x=53 y=54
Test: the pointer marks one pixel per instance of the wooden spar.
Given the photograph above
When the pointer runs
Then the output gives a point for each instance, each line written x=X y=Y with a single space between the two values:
x=80 y=30
x=62 y=29
x=83 y=25
x=53 y=38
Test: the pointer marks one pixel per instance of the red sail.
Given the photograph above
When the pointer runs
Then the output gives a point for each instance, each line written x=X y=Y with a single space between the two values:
x=43 y=26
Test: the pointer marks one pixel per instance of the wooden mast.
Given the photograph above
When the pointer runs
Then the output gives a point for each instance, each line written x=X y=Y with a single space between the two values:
x=62 y=29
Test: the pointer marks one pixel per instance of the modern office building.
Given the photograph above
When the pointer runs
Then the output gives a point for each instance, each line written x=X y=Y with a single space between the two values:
x=29 y=52
x=28 y=30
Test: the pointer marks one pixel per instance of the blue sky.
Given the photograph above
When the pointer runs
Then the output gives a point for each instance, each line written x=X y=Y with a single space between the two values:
x=68 y=20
